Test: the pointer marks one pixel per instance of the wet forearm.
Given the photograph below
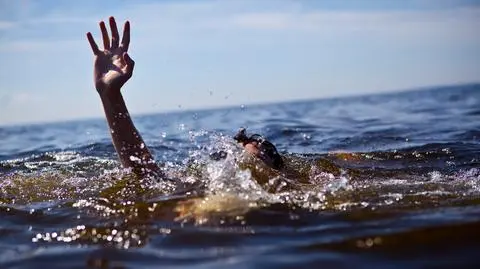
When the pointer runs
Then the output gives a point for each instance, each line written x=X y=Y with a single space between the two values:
x=130 y=147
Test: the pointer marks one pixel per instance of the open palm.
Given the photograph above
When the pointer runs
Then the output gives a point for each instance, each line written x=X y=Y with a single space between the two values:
x=112 y=65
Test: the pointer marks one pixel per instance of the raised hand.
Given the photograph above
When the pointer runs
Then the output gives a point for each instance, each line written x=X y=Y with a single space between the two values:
x=112 y=68
x=112 y=65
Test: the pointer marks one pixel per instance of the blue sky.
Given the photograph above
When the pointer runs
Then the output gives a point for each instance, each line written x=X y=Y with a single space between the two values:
x=199 y=54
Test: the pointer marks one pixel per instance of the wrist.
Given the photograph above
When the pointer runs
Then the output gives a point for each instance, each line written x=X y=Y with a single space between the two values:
x=113 y=104
x=109 y=92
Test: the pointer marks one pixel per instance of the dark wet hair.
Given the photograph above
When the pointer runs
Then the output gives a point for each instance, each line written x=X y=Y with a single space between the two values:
x=268 y=152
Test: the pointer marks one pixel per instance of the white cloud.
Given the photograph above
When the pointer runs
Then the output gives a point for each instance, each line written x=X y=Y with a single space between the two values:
x=266 y=21
x=6 y=25
x=269 y=47
x=36 y=45
x=454 y=22
x=21 y=99
x=227 y=21
x=59 y=19
x=183 y=23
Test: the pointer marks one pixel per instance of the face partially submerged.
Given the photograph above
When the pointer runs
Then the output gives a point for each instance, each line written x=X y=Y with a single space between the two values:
x=258 y=146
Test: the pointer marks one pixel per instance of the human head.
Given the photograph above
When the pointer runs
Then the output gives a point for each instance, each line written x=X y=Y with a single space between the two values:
x=258 y=146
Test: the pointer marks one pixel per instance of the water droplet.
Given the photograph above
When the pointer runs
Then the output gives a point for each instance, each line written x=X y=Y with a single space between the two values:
x=306 y=136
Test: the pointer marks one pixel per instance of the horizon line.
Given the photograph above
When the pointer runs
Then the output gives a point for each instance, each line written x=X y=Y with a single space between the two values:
x=253 y=104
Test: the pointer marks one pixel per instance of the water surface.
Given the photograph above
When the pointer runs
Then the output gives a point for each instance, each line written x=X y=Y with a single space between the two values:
x=382 y=180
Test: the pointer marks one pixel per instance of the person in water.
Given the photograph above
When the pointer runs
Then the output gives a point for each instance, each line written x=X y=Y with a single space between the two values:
x=113 y=67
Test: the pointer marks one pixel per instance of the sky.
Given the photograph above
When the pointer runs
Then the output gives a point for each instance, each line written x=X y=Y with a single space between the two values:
x=197 y=54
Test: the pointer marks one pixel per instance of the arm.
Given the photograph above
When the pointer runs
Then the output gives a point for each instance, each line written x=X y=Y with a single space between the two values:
x=112 y=68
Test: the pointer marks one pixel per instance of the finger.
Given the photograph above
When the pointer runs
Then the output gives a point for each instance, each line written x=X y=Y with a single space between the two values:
x=130 y=63
x=106 y=39
x=128 y=60
x=113 y=28
x=126 y=36
x=93 y=44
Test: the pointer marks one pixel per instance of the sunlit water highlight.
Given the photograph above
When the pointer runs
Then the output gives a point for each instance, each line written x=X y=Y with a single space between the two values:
x=383 y=180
